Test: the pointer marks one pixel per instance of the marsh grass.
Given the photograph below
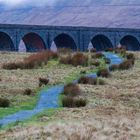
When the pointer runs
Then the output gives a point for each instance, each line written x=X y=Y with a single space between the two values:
x=4 y=103
x=112 y=108
x=33 y=61
x=25 y=105
x=65 y=60
x=87 y=80
x=125 y=65
x=34 y=120
x=72 y=102
x=71 y=90
x=98 y=55
x=114 y=67
x=77 y=59
x=103 y=73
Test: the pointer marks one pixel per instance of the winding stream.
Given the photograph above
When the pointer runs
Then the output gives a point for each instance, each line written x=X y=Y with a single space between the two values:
x=49 y=98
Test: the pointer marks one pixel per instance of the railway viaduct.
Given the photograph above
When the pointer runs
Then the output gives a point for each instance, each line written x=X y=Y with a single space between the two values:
x=37 y=37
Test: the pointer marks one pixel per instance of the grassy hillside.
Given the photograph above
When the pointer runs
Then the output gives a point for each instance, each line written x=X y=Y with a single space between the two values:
x=105 y=13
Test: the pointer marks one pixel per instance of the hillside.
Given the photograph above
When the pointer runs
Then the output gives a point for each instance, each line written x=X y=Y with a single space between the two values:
x=103 y=13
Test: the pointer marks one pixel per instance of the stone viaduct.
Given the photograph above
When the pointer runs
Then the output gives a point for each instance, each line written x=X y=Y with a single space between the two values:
x=37 y=37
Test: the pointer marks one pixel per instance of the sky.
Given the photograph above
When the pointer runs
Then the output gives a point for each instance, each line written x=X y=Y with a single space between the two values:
x=17 y=3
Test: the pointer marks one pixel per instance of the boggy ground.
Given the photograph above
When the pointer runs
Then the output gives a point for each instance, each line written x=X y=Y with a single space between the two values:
x=14 y=82
x=112 y=113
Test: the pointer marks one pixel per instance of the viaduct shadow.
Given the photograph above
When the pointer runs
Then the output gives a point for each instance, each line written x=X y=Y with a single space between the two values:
x=101 y=42
x=6 y=43
x=64 y=41
x=32 y=43
x=131 y=43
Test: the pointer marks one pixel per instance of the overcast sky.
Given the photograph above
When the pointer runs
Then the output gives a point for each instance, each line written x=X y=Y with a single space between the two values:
x=15 y=3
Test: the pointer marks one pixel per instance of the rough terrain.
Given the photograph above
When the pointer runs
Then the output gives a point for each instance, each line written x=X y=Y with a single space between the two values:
x=113 y=112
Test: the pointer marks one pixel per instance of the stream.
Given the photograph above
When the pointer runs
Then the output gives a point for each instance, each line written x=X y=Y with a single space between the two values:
x=49 y=97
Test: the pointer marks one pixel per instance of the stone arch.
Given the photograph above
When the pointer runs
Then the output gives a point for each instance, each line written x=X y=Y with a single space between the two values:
x=101 y=42
x=64 y=40
x=130 y=42
x=32 y=42
x=6 y=43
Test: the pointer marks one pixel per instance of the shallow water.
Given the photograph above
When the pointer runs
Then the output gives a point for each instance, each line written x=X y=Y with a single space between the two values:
x=115 y=59
x=48 y=99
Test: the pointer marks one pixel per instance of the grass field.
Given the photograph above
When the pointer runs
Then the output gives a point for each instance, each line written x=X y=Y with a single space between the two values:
x=14 y=82
x=112 y=112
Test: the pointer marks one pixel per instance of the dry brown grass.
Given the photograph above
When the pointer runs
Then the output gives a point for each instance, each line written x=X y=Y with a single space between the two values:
x=103 y=72
x=97 y=55
x=8 y=57
x=74 y=102
x=31 y=62
x=77 y=59
x=105 y=127
x=71 y=90
x=14 y=82
x=112 y=113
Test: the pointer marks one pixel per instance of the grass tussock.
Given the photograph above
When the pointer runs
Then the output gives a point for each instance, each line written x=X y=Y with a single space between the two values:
x=27 y=92
x=72 y=102
x=72 y=96
x=4 y=103
x=91 y=81
x=83 y=72
x=103 y=73
x=78 y=59
x=36 y=60
x=107 y=60
x=65 y=60
x=87 y=80
x=97 y=55
x=114 y=67
x=96 y=63
x=120 y=50
x=65 y=51
x=127 y=64
x=71 y=90
x=13 y=65
x=100 y=82
x=33 y=61
x=130 y=56
x=43 y=81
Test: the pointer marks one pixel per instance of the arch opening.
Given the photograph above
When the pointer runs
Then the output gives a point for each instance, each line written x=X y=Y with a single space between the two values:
x=63 y=41
x=101 y=43
x=130 y=42
x=6 y=43
x=32 y=42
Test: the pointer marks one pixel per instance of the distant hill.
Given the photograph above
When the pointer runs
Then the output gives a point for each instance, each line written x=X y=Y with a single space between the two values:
x=95 y=13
